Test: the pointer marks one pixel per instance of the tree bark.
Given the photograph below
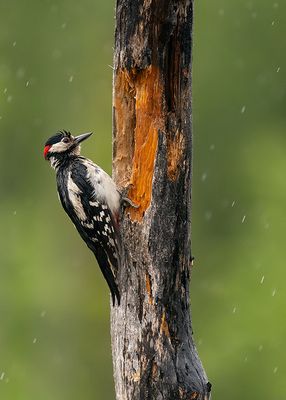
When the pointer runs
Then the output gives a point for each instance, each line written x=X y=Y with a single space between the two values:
x=154 y=354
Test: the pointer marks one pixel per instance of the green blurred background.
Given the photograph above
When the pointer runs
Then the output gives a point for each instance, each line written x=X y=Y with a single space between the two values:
x=55 y=72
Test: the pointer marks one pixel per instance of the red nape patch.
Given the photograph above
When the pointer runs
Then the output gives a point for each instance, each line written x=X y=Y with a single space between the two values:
x=46 y=149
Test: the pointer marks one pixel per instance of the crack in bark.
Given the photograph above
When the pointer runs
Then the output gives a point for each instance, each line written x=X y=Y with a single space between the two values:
x=149 y=288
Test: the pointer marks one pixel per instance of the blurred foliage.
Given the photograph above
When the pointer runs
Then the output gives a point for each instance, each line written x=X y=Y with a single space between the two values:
x=54 y=305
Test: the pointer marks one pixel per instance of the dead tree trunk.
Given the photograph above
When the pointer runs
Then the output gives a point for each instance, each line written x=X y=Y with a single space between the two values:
x=154 y=355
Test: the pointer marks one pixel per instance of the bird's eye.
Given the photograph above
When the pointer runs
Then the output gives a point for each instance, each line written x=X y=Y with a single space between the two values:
x=65 y=140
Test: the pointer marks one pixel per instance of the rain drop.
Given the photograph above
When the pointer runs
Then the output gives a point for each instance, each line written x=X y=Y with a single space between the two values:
x=262 y=280
x=243 y=219
x=71 y=78
x=243 y=109
x=204 y=176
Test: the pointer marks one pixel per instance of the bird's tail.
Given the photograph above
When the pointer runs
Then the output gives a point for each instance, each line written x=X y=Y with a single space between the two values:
x=107 y=272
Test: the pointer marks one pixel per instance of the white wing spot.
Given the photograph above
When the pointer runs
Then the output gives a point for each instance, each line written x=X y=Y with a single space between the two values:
x=88 y=225
x=107 y=185
x=94 y=203
x=74 y=195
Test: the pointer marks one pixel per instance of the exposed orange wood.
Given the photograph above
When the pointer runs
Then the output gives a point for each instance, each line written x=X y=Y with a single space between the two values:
x=164 y=328
x=149 y=119
x=139 y=109
x=175 y=152
x=149 y=289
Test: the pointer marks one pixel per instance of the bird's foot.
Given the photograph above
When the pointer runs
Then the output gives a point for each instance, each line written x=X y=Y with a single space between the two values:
x=125 y=201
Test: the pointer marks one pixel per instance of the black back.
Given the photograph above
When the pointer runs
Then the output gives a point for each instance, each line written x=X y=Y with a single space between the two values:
x=106 y=246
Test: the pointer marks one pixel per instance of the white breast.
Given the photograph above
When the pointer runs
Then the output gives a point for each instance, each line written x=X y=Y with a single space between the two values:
x=104 y=187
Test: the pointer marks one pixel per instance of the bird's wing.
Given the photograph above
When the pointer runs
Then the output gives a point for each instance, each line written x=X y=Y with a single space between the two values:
x=96 y=225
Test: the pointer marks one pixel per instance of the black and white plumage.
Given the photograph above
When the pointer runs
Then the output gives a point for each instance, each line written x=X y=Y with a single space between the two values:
x=91 y=199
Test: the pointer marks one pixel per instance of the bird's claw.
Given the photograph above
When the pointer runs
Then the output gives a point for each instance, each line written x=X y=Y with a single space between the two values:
x=126 y=202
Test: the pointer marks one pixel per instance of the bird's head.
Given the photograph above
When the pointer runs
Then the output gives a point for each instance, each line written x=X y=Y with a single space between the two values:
x=63 y=144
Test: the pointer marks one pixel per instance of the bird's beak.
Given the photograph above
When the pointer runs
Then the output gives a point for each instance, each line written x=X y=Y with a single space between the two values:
x=80 y=138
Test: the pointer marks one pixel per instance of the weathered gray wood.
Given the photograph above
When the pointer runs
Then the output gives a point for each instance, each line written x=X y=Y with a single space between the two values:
x=154 y=355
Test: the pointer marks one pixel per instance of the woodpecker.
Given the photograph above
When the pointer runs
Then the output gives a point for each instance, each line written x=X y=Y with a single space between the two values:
x=92 y=201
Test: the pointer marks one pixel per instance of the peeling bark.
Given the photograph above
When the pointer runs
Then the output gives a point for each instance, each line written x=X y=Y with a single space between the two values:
x=154 y=355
